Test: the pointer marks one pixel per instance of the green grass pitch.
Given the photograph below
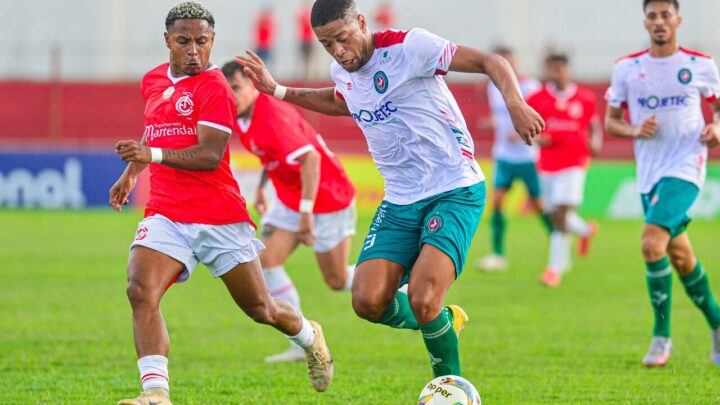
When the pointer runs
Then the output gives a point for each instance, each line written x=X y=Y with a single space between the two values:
x=65 y=331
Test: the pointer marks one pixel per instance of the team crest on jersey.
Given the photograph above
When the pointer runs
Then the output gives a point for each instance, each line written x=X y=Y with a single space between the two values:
x=575 y=110
x=184 y=105
x=684 y=76
x=434 y=223
x=381 y=82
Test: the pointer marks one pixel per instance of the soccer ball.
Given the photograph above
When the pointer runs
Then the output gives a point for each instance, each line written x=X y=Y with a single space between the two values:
x=449 y=390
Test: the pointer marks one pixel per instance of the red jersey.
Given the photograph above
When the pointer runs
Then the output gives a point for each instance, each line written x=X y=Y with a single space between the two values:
x=305 y=31
x=265 y=31
x=568 y=117
x=278 y=135
x=173 y=109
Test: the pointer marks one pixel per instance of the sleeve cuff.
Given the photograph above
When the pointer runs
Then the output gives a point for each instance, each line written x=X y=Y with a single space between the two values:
x=216 y=126
x=291 y=158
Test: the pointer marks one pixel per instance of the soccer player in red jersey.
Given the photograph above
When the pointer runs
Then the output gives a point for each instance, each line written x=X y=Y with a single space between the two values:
x=572 y=133
x=315 y=198
x=195 y=213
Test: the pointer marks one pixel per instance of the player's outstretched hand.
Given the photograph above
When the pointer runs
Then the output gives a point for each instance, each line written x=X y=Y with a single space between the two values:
x=260 y=202
x=120 y=191
x=306 y=230
x=258 y=73
x=133 y=151
x=528 y=123
x=647 y=128
x=710 y=135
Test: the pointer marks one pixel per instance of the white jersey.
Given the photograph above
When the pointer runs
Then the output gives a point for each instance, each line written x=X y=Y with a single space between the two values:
x=504 y=147
x=672 y=88
x=415 y=131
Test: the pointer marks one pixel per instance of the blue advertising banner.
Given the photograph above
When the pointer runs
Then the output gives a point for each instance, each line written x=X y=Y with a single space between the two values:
x=57 y=180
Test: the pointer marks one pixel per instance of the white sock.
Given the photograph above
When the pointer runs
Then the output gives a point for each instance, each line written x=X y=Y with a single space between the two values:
x=350 y=276
x=306 y=337
x=559 y=252
x=281 y=286
x=577 y=225
x=154 y=372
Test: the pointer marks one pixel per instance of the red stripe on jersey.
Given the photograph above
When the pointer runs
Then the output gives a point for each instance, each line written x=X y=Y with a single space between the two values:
x=440 y=72
x=467 y=153
x=712 y=98
x=339 y=95
x=624 y=105
x=694 y=53
x=387 y=38
x=632 y=55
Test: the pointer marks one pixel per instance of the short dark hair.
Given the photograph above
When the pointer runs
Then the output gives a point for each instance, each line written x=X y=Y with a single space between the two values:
x=230 y=68
x=189 y=10
x=673 y=2
x=557 y=57
x=325 y=11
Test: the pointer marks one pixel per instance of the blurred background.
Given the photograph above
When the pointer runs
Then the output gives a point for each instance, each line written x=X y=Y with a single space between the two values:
x=69 y=78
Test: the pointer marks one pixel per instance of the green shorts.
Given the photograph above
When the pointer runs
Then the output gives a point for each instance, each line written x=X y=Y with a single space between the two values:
x=506 y=173
x=447 y=221
x=667 y=204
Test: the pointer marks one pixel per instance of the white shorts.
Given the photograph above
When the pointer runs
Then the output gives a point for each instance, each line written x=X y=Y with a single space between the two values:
x=331 y=228
x=219 y=247
x=565 y=187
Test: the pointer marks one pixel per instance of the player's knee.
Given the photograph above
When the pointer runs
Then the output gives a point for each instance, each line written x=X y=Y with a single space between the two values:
x=142 y=297
x=262 y=313
x=424 y=307
x=336 y=282
x=368 y=308
x=652 y=249
x=684 y=264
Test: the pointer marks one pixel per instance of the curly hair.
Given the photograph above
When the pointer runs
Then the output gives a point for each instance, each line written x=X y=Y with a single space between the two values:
x=188 y=10
x=325 y=11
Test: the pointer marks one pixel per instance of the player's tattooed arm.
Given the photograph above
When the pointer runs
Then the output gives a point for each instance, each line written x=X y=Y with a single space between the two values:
x=711 y=133
x=321 y=100
x=616 y=125
x=527 y=121
x=206 y=155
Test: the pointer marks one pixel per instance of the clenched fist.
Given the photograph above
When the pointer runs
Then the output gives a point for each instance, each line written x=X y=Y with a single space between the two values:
x=133 y=151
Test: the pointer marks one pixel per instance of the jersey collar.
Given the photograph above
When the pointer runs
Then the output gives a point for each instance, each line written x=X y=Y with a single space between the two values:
x=176 y=80
x=564 y=94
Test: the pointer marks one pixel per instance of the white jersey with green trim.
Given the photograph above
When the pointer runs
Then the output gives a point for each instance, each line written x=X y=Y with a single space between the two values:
x=415 y=131
x=672 y=88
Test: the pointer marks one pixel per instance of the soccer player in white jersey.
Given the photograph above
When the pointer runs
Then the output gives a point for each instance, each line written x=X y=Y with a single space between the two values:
x=663 y=87
x=513 y=161
x=391 y=84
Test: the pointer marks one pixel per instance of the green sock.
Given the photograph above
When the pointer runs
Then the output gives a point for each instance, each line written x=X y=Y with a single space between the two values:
x=697 y=288
x=398 y=314
x=659 y=283
x=498 y=233
x=442 y=344
x=547 y=222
